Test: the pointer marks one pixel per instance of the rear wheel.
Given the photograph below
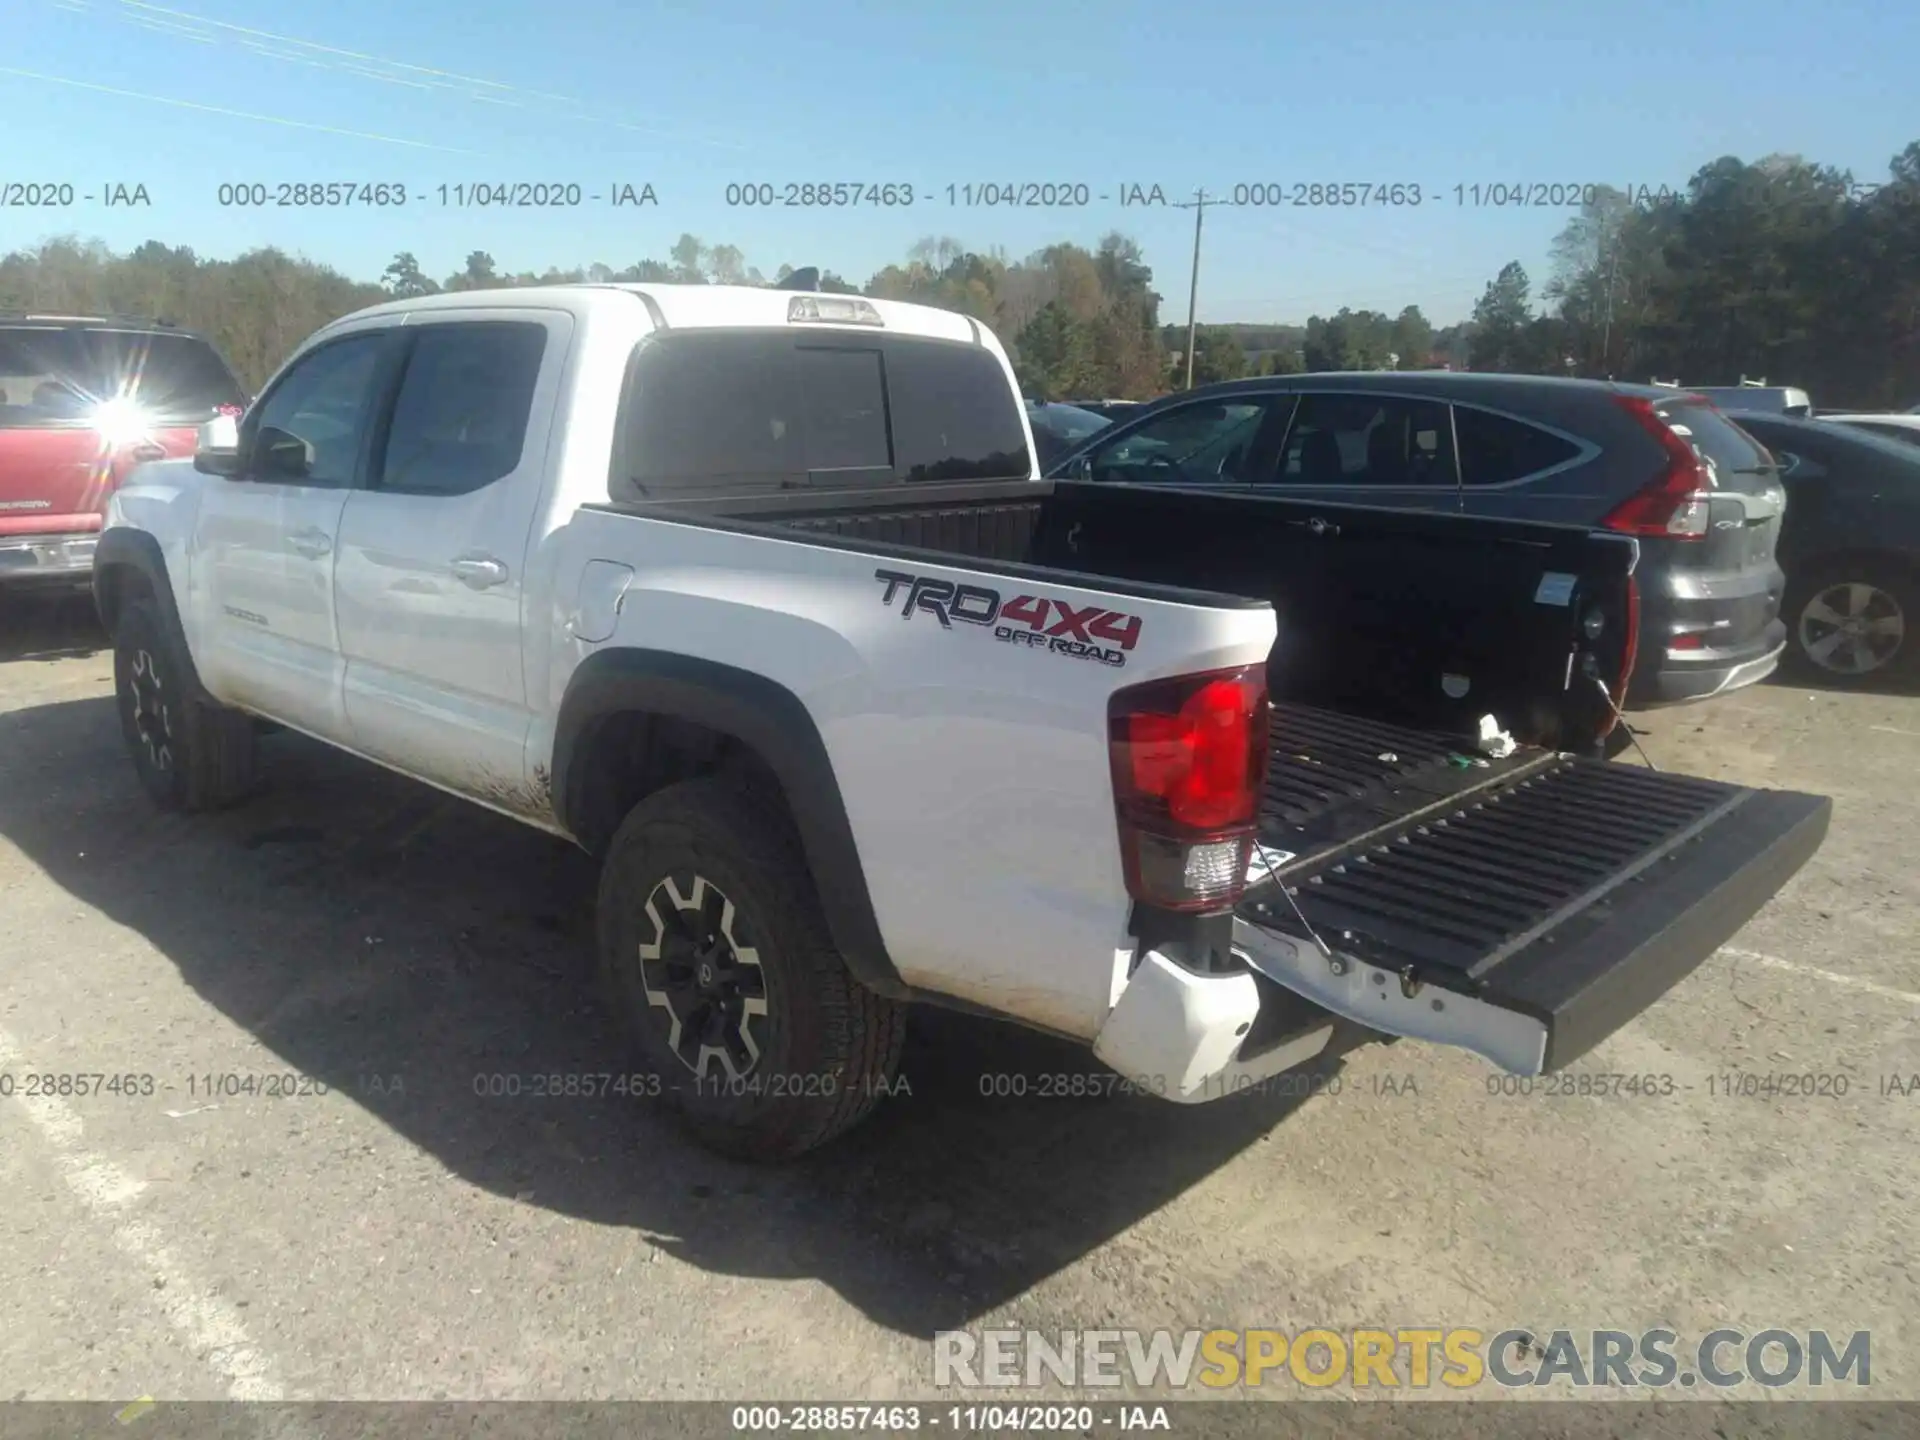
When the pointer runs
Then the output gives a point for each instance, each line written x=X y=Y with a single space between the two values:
x=1854 y=622
x=716 y=955
x=189 y=754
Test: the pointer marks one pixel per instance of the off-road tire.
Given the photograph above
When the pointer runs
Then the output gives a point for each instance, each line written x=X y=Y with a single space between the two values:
x=827 y=1047
x=190 y=754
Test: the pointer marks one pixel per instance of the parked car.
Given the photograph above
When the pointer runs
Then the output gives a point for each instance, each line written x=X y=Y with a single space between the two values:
x=1904 y=428
x=757 y=597
x=1851 y=547
x=1109 y=409
x=1757 y=399
x=1662 y=465
x=1059 y=428
x=83 y=399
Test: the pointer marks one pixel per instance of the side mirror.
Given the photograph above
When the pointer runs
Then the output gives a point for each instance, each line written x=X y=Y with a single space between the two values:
x=216 y=450
x=282 y=455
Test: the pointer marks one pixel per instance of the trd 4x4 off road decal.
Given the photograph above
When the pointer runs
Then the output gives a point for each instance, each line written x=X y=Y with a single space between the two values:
x=1081 y=632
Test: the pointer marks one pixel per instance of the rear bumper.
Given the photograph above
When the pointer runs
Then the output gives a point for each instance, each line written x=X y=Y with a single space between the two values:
x=1682 y=677
x=27 y=560
x=1191 y=1038
x=1733 y=618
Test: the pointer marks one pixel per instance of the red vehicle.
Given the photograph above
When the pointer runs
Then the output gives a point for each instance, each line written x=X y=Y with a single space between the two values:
x=84 y=399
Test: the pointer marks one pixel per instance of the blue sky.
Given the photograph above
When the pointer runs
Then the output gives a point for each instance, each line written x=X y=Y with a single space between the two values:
x=690 y=97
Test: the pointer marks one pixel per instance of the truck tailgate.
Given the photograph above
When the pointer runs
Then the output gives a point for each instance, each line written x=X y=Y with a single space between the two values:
x=1525 y=909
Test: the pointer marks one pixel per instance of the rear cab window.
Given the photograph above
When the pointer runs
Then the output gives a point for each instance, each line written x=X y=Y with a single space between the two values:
x=54 y=377
x=739 y=412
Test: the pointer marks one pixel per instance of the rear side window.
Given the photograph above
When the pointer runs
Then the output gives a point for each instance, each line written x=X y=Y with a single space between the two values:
x=54 y=377
x=745 y=412
x=1721 y=443
x=460 y=419
x=1367 y=440
x=1497 y=449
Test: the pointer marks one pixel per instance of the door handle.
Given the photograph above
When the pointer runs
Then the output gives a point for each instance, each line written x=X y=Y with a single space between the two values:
x=1320 y=526
x=479 y=571
x=311 y=543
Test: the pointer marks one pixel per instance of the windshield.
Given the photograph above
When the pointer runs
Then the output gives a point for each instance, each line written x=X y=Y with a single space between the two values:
x=1069 y=422
x=54 y=378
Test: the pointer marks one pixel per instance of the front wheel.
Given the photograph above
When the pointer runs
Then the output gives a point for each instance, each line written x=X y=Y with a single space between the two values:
x=1854 y=622
x=714 y=951
x=189 y=754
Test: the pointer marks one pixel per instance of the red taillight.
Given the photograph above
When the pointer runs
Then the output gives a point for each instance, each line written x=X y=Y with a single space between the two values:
x=1687 y=642
x=1189 y=759
x=1674 y=505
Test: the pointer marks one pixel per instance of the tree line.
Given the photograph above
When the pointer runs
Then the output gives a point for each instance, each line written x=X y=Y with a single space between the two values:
x=1780 y=269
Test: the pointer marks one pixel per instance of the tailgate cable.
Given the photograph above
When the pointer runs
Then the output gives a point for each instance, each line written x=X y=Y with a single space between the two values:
x=1410 y=982
x=1305 y=924
x=1621 y=720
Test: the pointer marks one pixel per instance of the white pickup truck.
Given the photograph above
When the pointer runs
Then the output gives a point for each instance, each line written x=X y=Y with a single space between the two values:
x=754 y=594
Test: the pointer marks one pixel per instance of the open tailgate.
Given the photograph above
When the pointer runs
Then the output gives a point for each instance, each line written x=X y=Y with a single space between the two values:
x=1524 y=908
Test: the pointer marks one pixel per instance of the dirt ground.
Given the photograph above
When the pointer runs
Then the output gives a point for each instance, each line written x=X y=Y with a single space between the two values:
x=400 y=1236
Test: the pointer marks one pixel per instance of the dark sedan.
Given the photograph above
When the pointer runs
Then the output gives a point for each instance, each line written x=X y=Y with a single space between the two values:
x=1109 y=409
x=1662 y=465
x=1060 y=428
x=1851 y=548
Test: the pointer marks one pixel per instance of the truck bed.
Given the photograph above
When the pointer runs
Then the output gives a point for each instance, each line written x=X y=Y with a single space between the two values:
x=1383 y=614
x=1551 y=894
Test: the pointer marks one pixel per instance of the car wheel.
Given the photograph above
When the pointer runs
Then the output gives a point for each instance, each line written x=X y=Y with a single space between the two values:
x=716 y=955
x=1854 y=623
x=190 y=755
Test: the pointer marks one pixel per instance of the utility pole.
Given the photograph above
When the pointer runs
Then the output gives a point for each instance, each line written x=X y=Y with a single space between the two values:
x=1606 y=340
x=1198 y=205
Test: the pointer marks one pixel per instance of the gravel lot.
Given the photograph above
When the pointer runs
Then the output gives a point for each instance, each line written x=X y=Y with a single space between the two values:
x=400 y=1237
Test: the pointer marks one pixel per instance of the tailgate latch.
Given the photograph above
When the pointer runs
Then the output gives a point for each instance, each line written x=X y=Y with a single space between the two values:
x=1410 y=982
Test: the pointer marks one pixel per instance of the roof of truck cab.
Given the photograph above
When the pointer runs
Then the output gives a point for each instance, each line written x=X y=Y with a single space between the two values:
x=686 y=307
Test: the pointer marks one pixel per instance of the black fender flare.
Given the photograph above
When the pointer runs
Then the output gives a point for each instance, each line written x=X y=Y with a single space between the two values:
x=121 y=549
x=773 y=722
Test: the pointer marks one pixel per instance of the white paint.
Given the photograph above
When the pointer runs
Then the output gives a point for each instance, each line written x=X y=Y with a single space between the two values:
x=338 y=614
x=1845 y=982
x=208 y=1323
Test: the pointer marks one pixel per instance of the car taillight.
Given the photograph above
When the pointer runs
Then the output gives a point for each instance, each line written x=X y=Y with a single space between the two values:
x=1675 y=504
x=1189 y=759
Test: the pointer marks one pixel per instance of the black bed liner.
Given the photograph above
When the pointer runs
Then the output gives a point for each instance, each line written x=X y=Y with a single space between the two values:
x=1576 y=890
